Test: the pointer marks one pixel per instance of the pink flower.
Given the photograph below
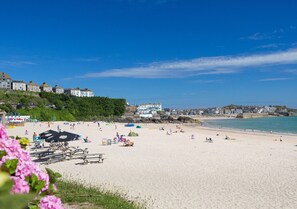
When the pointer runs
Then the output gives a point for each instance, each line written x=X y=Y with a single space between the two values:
x=3 y=134
x=25 y=168
x=19 y=186
x=44 y=177
x=50 y=202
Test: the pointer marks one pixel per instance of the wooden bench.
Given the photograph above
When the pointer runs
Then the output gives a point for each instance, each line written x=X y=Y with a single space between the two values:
x=88 y=158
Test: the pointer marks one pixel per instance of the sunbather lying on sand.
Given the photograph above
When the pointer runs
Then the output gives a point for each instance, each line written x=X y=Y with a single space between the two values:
x=128 y=143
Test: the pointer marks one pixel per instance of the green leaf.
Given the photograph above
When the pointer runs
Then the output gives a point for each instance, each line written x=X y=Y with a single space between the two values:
x=32 y=207
x=39 y=185
x=2 y=154
x=53 y=175
x=10 y=166
x=34 y=183
x=58 y=175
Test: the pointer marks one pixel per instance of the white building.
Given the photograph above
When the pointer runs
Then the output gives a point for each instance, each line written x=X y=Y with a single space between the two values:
x=18 y=85
x=148 y=109
x=5 y=81
x=86 y=93
x=33 y=87
x=58 y=89
x=46 y=88
x=74 y=92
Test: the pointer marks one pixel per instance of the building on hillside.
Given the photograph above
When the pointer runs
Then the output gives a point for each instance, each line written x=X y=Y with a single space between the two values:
x=86 y=93
x=5 y=81
x=18 y=85
x=58 y=89
x=33 y=87
x=74 y=92
x=148 y=110
x=46 y=88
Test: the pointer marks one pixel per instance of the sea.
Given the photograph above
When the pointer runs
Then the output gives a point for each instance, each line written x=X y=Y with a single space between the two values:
x=286 y=125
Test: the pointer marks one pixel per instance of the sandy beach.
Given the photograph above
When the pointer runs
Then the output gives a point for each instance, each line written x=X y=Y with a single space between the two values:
x=252 y=170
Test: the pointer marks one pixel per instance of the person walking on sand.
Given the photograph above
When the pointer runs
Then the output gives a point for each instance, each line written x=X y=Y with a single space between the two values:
x=281 y=139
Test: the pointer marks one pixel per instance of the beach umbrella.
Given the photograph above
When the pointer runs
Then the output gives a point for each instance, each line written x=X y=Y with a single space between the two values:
x=48 y=135
x=63 y=137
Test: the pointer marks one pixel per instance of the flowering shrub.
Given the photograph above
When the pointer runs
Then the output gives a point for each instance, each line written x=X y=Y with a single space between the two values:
x=50 y=202
x=25 y=176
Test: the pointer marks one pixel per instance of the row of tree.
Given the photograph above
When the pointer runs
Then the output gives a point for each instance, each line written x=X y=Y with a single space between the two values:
x=48 y=106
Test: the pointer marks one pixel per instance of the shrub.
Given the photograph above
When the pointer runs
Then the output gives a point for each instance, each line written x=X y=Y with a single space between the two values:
x=24 y=177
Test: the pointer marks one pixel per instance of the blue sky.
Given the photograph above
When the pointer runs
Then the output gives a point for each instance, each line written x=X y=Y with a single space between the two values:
x=181 y=53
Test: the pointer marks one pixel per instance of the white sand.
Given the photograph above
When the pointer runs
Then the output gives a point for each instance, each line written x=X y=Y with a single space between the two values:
x=175 y=171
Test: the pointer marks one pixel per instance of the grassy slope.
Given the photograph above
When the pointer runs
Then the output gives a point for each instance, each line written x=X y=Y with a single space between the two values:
x=80 y=195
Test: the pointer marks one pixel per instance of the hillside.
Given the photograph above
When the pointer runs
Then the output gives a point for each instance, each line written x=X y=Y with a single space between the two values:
x=50 y=106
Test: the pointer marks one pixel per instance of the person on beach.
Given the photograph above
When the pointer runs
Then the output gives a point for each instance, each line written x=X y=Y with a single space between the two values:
x=281 y=139
x=34 y=135
x=192 y=137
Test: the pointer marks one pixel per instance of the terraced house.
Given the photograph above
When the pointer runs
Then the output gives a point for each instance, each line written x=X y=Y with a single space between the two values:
x=5 y=81
x=58 y=89
x=46 y=88
x=33 y=87
x=18 y=85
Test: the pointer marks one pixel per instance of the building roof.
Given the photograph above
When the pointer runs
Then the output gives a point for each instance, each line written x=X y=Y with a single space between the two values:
x=4 y=75
x=86 y=89
x=72 y=89
x=57 y=87
x=18 y=82
x=44 y=85
x=32 y=84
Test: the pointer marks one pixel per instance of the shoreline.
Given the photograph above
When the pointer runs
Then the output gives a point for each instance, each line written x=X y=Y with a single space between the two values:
x=248 y=130
x=178 y=171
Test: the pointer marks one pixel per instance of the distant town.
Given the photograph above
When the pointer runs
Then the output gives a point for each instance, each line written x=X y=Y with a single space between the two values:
x=153 y=110
x=7 y=83
x=238 y=111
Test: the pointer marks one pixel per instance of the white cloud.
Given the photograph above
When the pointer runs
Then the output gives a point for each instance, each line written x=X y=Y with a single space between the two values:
x=90 y=59
x=290 y=71
x=268 y=46
x=206 y=81
x=265 y=36
x=19 y=63
x=259 y=36
x=275 y=79
x=201 y=66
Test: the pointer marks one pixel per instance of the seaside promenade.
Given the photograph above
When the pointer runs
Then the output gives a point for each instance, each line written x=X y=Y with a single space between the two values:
x=251 y=170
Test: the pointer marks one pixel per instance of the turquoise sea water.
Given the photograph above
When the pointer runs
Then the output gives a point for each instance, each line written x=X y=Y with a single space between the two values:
x=274 y=124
